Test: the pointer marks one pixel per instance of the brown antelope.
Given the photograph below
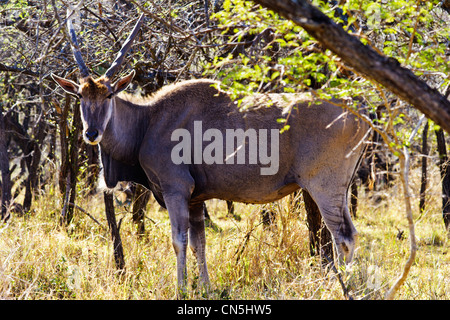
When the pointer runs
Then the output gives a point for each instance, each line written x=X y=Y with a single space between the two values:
x=181 y=144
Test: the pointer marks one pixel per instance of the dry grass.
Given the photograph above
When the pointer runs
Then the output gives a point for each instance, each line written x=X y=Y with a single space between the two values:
x=40 y=260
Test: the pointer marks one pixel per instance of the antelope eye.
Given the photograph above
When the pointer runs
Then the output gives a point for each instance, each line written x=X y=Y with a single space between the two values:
x=110 y=96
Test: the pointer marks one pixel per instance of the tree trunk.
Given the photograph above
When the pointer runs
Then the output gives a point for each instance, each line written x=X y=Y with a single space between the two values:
x=365 y=60
x=445 y=176
x=141 y=198
x=423 y=184
x=445 y=172
x=115 y=234
x=4 y=168
x=32 y=179
x=320 y=240
x=446 y=5
x=63 y=141
x=69 y=140
x=74 y=160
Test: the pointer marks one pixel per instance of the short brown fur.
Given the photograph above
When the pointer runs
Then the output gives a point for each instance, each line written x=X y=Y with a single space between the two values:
x=93 y=89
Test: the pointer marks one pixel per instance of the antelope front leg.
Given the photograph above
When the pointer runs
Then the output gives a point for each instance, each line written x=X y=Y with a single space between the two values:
x=197 y=241
x=177 y=206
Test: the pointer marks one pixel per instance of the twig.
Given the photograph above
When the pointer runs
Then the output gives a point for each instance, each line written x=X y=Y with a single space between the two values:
x=119 y=224
x=188 y=64
x=28 y=72
x=411 y=39
x=240 y=250
x=102 y=21
x=86 y=213
x=155 y=17
x=333 y=267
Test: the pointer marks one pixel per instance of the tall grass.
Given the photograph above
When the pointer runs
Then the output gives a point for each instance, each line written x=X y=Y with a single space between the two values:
x=246 y=259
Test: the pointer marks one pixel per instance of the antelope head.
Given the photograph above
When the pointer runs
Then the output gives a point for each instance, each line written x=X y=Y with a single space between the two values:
x=96 y=95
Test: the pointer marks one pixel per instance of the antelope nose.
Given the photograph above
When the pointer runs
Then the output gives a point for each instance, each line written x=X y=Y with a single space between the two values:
x=92 y=134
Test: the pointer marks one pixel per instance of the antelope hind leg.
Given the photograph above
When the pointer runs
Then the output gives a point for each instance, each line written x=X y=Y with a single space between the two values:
x=333 y=208
x=197 y=242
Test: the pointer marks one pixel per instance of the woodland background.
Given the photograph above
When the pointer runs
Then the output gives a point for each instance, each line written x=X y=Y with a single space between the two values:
x=55 y=242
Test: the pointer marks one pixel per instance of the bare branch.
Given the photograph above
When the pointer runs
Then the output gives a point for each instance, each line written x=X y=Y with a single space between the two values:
x=86 y=213
x=28 y=72
x=126 y=46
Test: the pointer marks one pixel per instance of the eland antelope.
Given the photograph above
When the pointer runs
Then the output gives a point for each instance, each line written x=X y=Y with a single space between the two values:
x=189 y=142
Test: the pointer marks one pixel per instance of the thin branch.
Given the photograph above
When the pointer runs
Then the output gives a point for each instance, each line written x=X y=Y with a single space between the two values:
x=28 y=72
x=155 y=17
x=347 y=295
x=86 y=213
x=411 y=39
x=102 y=21
x=404 y=165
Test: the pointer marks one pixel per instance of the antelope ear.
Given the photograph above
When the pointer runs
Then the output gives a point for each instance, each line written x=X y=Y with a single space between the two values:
x=123 y=83
x=68 y=85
